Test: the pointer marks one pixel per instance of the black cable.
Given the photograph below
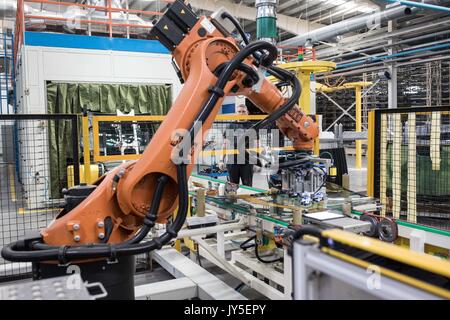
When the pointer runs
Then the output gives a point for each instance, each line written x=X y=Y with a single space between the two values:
x=239 y=287
x=305 y=230
x=265 y=261
x=237 y=25
x=142 y=233
x=292 y=163
x=241 y=67
x=257 y=54
x=291 y=102
x=325 y=176
x=152 y=214
x=217 y=90
x=243 y=245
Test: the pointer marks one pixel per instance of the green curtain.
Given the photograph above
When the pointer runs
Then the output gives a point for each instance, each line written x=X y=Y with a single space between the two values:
x=108 y=98
x=74 y=98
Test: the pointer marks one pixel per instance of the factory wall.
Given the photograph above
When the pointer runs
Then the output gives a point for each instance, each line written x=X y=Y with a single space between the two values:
x=97 y=66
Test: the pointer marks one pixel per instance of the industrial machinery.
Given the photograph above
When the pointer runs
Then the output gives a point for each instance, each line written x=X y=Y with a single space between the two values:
x=102 y=225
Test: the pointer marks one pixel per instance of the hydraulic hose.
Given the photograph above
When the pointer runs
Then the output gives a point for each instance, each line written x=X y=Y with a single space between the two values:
x=265 y=261
x=291 y=102
x=230 y=67
x=257 y=54
x=148 y=223
x=242 y=67
x=237 y=25
x=17 y=252
x=245 y=245
x=305 y=230
x=152 y=214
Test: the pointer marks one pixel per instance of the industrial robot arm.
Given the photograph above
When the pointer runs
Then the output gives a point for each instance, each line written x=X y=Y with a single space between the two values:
x=116 y=214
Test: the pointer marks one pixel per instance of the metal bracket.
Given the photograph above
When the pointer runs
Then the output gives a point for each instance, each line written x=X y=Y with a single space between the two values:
x=100 y=286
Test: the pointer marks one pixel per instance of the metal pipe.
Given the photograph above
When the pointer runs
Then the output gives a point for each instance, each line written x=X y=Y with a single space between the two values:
x=380 y=65
x=374 y=56
x=362 y=51
x=383 y=67
x=422 y=5
x=399 y=54
x=383 y=35
x=336 y=29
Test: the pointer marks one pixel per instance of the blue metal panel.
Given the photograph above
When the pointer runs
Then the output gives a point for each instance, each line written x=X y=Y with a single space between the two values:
x=59 y=40
x=228 y=108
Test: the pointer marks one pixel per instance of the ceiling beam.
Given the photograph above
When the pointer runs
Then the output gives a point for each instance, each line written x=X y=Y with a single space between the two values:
x=287 y=4
x=290 y=24
x=332 y=14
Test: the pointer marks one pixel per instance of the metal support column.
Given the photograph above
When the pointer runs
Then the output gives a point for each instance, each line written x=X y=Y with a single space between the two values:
x=305 y=97
x=392 y=82
x=86 y=150
x=358 y=127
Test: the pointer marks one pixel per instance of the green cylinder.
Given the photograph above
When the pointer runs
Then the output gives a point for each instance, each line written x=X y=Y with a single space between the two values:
x=266 y=27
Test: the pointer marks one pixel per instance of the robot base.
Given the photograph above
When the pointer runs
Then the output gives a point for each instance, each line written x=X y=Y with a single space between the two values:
x=117 y=278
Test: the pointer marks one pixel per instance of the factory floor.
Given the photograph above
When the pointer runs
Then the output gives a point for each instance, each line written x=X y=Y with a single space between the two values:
x=159 y=274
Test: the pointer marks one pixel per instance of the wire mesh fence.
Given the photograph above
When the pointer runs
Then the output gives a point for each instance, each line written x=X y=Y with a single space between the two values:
x=28 y=173
x=412 y=164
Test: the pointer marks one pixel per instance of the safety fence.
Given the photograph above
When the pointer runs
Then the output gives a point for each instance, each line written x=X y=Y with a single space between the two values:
x=32 y=176
x=409 y=164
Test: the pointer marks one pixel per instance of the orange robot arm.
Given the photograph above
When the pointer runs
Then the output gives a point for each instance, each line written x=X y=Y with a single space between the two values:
x=127 y=201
